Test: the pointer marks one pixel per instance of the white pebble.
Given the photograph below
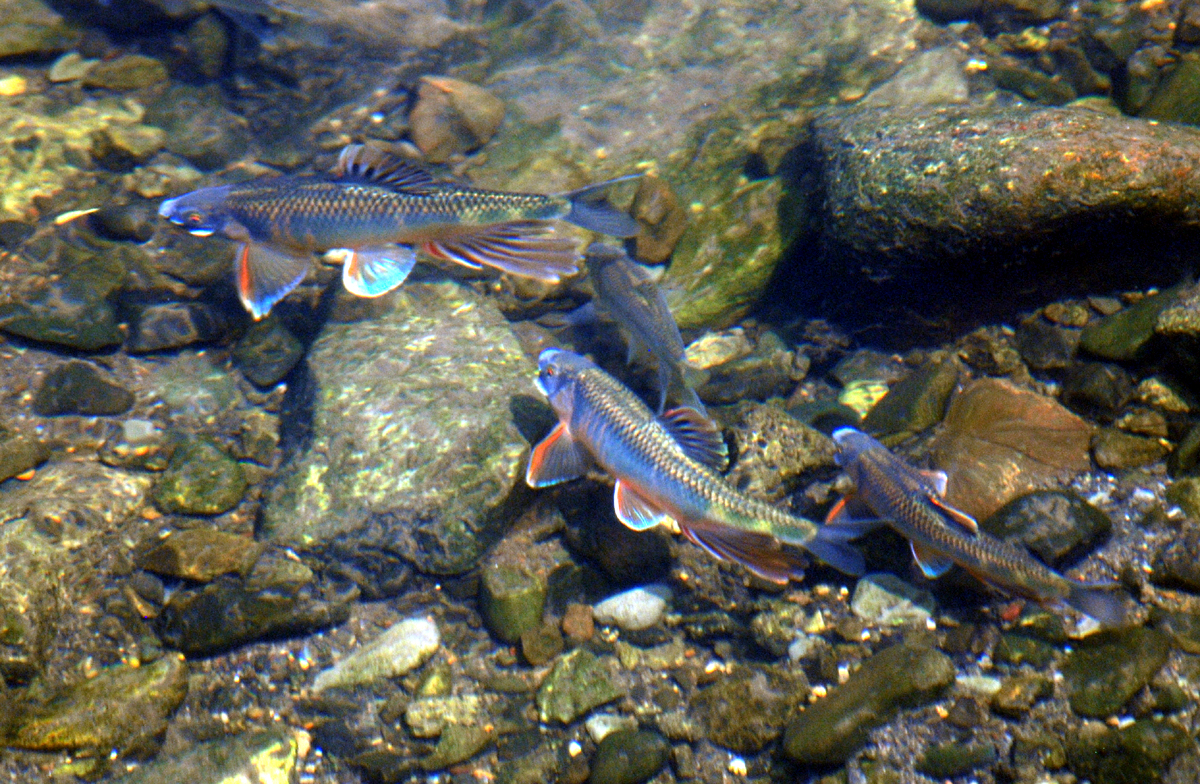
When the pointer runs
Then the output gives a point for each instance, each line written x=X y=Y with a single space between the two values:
x=403 y=647
x=637 y=608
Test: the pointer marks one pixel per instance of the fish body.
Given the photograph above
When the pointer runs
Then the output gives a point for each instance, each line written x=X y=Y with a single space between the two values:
x=910 y=502
x=379 y=210
x=634 y=300
x=664 y=471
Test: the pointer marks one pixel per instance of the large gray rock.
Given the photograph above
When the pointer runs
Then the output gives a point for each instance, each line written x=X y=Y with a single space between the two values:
x=414 y=453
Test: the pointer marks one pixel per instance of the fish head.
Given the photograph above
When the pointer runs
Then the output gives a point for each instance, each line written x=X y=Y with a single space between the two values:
x=558 y=372
x=851 y=445
x=202 y=213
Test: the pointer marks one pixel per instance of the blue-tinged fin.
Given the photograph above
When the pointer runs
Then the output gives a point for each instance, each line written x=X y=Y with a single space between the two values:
x=264 y=275
x=557 y=459
x=760 y=553
x=697 y=435
x=634 y=510
x=360 y=163
x=829 y=545
x=936 y=480
x=591 y=211
x=958 y=516
x=528 y=248
x=932 y=564
x=1102 y=601
x=373 y=272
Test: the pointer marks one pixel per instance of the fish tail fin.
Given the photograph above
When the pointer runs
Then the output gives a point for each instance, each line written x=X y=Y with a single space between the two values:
x=590 y=210
x=1103 y=601
x=829 y=545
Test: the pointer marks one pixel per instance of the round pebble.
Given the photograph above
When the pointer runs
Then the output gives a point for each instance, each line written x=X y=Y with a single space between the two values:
x=635 y=609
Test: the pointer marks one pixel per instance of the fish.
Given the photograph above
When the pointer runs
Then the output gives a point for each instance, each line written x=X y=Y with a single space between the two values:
x=627 y=292
x=377 y=210
x=666 y=472
x=911 y=502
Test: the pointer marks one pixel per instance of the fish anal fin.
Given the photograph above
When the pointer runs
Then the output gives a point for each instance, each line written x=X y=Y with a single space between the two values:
x=362 y=163
x=264 y=275
x=958 y=516
x=557 y=459
x=932 y=564
x=760 y=553
x=634 y=510
x=527 y=248
x=373 y=272
x=697 y=435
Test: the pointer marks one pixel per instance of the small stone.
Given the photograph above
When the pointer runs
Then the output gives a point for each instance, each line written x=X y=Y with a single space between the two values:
x=511 y=599
x=19 y=453
x=1046 y=346
x=405 y=646
x=69 y=311
x=1018 y=649
x=886 y=600
x=1122 y=336
x=428 y=717
x=775 y=451
x=746 y=710
x=123 y=145
x=1096 y=388
x=201 y=480
x=452 y=116
x=916 y=402
x=541 y=644
x=1183 y=628
x=629 y=757
x=200 y=554
x=662 y=220
x=634 y=609
x=1054 y=524
x=127 y=72
x=267 y=352
x=32 y=27
x=1103 y=672
x=137 y=443
x=174 y=325
x=267 y=756
x=1139 y=753
x=947 y=760
x=601 y=725
x=776 y=628
x=1018 y=693
x=577 y=622
x=578 y=683
x=829 y=731
x=1068 y=314
x=69 y=68
x=770 y=369
x=78 y=387
x=136 y=220
x=456 y=744
x=1115 y=449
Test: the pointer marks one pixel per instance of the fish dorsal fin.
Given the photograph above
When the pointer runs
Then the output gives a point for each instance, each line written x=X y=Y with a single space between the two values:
x=697 y=435
x=933 y=565
x=635 y=511
x=937 y=480
x=371 y=165
x=373 y=272
x=958 y=516
x=557 y=459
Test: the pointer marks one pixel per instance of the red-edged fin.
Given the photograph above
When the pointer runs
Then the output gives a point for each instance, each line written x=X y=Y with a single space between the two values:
x=373 y=272
x=264 y=276
x=698 y=435
x=525 y=248
x=360 y=163
x=850 y=518
x=634 y=510
x=932 y=564
x=957 y=515
x=558 y=458
x=760 y=553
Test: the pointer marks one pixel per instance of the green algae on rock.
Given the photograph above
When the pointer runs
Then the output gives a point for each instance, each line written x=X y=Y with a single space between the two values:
x=1139 y=753
x=746 y=709
x=266 y=756
x=201 y=479
x=31 y=27
x=414 y=452
x=828 y=732
x=628 y=757
x=578 y=682
x=31 y=598
x=1102 y=673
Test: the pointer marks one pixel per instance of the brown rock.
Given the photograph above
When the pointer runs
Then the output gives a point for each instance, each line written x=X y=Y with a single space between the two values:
x=452 y=116
x=1001 y=440
x=657 y=210
x=577 y=622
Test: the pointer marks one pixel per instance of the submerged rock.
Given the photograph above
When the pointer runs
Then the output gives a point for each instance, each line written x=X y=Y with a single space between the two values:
x=267 y=756
x=629 y=757
x=199 y=554
x=746 y=710
x=403 y=647
x=636 y=609
x=201 y=479
x=1101 y=675
x=578 y=683
x=414 y=451
x=452 y=116
x=31 y=598
x=1140 y=753
x=78 y=387
x=31 y=27
x=1055 y=524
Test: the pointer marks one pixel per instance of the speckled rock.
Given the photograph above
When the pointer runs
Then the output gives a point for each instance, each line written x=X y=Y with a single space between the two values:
x=201 y=479
x=829 y=731
x=31 y=598
x=947 y=760
x=1018 y=693
x=1054 y=524
x=774 y=450
x=629 y=757
x=1178 y=564
x=267 y=756
x=746 y=709
x=1140 y=753
x=405 y=646
x=78 y=387
x=267 y=352
x=31 y=27
x=199 y=554
x=428 y=716
x=1104 y=671
x=414 y=451
x=122 y=708
x=579 y=682
x=886 y=600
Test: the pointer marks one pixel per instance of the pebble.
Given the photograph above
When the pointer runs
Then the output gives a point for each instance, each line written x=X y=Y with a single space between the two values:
x=427 y=717
x=629 y=757
x=600 y=725
x=402 y=648
x=886 y=600
x=635 y=609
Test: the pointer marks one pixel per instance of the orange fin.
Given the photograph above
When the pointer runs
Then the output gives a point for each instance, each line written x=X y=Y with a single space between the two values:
x=698 y=435
x=634 y=510
x=557 y=459
x=527 y=248
x=957 y=515
x=760 y=553
x=264 y=276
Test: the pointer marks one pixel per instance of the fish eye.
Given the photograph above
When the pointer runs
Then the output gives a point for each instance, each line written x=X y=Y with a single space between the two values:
x=550 y=371
x=193 y=219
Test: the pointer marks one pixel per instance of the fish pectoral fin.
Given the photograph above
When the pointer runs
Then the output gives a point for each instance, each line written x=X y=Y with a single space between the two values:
x=850 y=518
x=264 y=275
x=527 y=248
x=937 y=480
x=760 y=553
x=932 y=565
x=958 y=516
x=557 y=459
x=697 y=435
x=373 y=272
x=360 y=163
x=634 y=510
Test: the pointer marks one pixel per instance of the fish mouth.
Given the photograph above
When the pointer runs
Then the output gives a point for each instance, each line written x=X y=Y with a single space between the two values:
x=537 y=382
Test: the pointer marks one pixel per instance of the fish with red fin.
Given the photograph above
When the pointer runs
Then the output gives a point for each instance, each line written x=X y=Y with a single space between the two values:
x=910 y=501
x=665 y=469
x=380 y=210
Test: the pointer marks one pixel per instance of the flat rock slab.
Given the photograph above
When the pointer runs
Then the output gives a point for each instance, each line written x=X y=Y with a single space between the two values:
x=414 y=451
x=1015 y=202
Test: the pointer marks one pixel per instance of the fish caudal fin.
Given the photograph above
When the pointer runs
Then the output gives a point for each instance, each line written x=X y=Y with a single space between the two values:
x=264 y=276
x=525 y=248
x=760 y=553
x=830 y=545
x=373 y=272
x=1105 y=602
x=589 y=210
x=556 y=459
